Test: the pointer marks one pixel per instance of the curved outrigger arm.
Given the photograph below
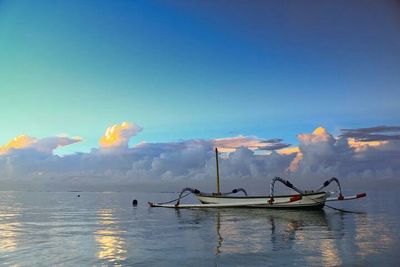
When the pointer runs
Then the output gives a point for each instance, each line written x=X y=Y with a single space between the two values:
x=340 y=197
x=359 y=195
x=192 y=190
x=285 y=182
x=327 y=182
x=236 y=190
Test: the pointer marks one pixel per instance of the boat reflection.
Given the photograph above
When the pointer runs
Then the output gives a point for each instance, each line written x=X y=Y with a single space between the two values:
x=220 y=239
x=287 y=227
x=111 y=245
x=258 y=231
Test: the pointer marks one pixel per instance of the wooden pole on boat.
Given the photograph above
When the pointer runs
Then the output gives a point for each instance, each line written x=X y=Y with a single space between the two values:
x=216 y=158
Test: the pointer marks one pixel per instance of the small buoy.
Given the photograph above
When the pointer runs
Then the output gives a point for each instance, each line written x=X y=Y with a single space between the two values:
x=79 y=195
x=134 y=203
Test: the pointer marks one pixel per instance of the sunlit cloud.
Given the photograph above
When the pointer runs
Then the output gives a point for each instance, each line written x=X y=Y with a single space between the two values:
x=313 y=148
x=318 y=135
x=45 y=145
x=118 y=135
x=294 y=165
x=18 y=142
x=357 y=154
x=230 y=144
x=363 y=145
x=289 y=150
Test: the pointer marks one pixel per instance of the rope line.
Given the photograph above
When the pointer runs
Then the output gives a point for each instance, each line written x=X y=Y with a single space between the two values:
x=174 y=199
x=342 y=210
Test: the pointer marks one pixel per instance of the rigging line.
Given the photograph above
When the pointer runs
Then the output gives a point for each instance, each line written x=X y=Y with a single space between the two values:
x=174 y=199
x=342 y=210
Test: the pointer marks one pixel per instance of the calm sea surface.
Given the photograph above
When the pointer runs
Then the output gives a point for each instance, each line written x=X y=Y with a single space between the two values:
x=102 y=229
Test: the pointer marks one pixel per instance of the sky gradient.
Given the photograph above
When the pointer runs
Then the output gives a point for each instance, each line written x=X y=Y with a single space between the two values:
x=177 y=74
x=197 y=69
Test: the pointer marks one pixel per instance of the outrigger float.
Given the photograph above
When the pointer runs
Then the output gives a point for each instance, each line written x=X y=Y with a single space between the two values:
x=304 y=199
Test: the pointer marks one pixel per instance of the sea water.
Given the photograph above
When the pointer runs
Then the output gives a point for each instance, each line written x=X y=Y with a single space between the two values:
x=103 y=229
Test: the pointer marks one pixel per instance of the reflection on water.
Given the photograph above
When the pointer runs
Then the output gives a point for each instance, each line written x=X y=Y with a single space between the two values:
x=112 y=247
x=317 y=237
x=366 y=239
x=231 y=233
x=9 y=231
x=220 y=239
x=288 y=227
x=10 y=227
x=329 y=252
x=97 y=229
x=285 y=229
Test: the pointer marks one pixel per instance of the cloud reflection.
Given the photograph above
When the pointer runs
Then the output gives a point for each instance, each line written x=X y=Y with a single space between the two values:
x=366 y=230
x=330 y=253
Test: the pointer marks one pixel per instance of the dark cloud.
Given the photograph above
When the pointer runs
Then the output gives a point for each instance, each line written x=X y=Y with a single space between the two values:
x=376 y=129
x=373 y=133
x=274 y=146
x=273 y=141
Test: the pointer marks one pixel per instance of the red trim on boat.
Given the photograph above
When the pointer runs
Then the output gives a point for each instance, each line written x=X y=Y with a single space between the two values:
x=295 y=198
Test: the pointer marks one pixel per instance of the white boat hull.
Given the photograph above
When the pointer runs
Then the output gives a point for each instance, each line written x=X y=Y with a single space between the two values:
x=312 y=200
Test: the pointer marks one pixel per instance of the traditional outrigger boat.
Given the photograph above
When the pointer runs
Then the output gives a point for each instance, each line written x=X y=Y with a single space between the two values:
x=312 y=199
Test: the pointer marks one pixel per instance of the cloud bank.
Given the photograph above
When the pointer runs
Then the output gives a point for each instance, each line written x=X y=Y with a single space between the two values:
x=357 y=155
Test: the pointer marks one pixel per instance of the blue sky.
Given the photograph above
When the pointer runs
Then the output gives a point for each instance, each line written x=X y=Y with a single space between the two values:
x=197 y=69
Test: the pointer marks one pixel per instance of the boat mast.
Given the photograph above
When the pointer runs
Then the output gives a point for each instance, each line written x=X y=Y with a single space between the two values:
x=216 y=159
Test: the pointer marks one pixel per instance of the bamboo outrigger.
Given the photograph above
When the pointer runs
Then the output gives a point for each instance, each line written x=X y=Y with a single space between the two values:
x=314 y=199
